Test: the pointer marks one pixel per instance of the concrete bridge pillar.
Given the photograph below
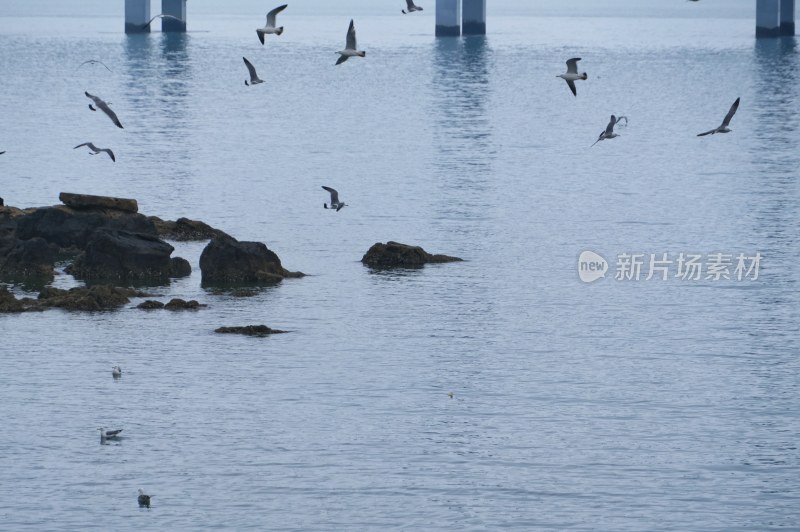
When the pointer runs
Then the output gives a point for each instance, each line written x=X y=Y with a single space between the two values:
x=175 y=8
x=137 y=13
x=774 y=18
x=787 y=17
x=473 y=21
x=448 y=18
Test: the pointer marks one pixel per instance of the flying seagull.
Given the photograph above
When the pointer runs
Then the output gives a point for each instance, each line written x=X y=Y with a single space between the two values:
x=93 y=62
x=108 y=434
x=160 y=16
x=572 y=74
x=411 y=7
x=270 y=27
x=254 y=79
x=116 y=372
x=143 y=500
x=2 y=152
x=335 y=203
x=609 y=132
x=723 y=128
x=95 y=151
x=350 y=49
x=103 y=106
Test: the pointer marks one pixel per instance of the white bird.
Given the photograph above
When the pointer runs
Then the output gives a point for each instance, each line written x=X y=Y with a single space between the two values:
x=270 y=28
x=335 y=203
x=108 y=434
x=160 y=16
x=103 y=106
x=351 y=48
x=609 y=132
x=411 y=7
x=571 y=75
x=143 y=500
x=96 y=150
x=723 y=128
x=254 y=79
x=116 y=372
x=93 y=62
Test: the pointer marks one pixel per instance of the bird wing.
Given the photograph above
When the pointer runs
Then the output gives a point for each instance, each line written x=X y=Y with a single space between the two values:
x=572 y=87
x=260 y=35
x=112 y=433
x=273 y=14
x=572 y=65
x=730 y=114
x=707 y=133
x=251 y=69
x=610 y=127
x=351 y=37
x=110 y=154
x=410 y=4
x=342 y=59
x=84 y=144
x=334 y=194
x=107 y=110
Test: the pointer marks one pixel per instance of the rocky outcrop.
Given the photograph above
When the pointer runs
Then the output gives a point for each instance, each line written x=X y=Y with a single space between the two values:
x=180 y=304
x=100 y=297
x=249 y=330
x=150 y=305
x=30 y=259
x=87 y=201
x=396 y=255
x=121 y=256
x=184 y=229
x=71 y=229
x=227 y=261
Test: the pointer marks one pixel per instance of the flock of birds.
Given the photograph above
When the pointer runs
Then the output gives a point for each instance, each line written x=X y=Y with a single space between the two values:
x=351 y=50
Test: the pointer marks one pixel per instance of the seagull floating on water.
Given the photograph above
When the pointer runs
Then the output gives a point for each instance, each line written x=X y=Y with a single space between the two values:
x=609 y=132
x=335 y=203
x=723 y=128
x=116 y=372
x=103 y=106
x=254 y=79
x=351 y=48
x=108 y=434
x=96 y=150
x=411 y=7
x=94 y=62
x=571 y=75
x=143 y=500
x=270 y=28
x=160 y=16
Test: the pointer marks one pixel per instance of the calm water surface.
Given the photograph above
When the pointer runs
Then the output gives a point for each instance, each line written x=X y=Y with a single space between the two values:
x=620 y=405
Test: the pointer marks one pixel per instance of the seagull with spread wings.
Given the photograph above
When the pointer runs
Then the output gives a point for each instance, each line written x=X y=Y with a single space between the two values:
x=103 y=106
x=723 y=128
x=572 y=75
x=270 y=28
x=254 y=79
x=351 y=48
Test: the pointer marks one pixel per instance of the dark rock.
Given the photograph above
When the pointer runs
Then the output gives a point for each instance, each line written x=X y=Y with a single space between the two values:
x=26 y=259
x=249 y=330
x=179 y=267
x=99 y=297
x=71 y=229
x=150 y=305
x=87 y=201
x=121 y=256
x=184 y=229
x=180 y=304
x=225 y=260
x=396 y=255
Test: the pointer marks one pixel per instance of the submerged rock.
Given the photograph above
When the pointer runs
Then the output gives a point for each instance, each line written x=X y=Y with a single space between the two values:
x=396 y=255
x=249 y=330
x=180 y=304
x=150 y=305
x=225 y=260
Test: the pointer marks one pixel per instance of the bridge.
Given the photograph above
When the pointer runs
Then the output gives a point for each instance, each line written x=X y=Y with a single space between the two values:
x=774 y=18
